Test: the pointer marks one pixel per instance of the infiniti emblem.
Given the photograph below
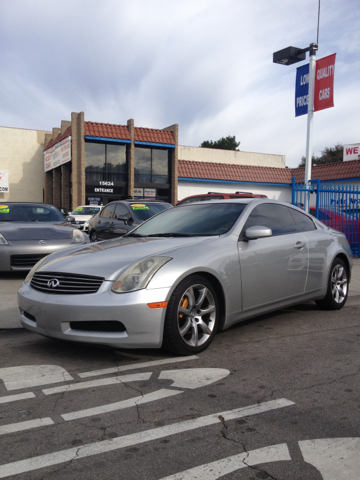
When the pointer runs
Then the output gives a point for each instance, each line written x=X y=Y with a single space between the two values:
x=42 y=242
x=53 y=283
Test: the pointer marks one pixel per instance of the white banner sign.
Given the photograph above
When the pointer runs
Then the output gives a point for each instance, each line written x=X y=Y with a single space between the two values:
x=149 y=193
x=4 y=181
x=351 y=152
x=57 y=154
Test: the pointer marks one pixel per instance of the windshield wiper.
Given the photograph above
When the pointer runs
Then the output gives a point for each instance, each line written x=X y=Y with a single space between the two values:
x=134 y=235
x=172 y=234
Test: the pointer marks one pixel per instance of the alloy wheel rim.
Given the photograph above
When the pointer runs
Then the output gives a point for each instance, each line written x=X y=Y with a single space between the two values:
x=196 y=315
x=339 y=284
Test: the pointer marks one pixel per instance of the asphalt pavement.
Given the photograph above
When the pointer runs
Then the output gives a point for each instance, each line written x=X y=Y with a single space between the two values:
x=10 y=283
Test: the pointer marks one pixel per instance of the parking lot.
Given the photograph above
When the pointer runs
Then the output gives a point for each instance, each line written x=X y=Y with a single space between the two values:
x=274 y=397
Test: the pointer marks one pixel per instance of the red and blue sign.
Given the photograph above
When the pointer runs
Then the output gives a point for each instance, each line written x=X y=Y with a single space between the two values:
x=323 y=89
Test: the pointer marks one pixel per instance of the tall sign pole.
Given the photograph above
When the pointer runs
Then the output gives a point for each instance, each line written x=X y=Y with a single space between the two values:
x=310 y=117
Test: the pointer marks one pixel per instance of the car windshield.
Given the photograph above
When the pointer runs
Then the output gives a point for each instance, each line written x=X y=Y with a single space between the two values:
x=193 y=220
x=30 y=213
x=85 y=211
x=144 y=211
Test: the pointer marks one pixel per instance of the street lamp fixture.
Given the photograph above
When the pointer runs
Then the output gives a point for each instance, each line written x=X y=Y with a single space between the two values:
x=289 y=56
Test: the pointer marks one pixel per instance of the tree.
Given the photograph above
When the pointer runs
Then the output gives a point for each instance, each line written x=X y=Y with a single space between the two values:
x=328 y=155
x=228 y=143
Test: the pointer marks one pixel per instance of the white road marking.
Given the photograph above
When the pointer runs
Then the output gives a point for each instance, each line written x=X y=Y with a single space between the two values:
x=98 y=383
x=215 y=470
x=14 y=398
x=104 y=446
x=194 y=377
x=29 y=376
x=19 y=427
x=131 y=402
x=335 y=458
x=135 y=366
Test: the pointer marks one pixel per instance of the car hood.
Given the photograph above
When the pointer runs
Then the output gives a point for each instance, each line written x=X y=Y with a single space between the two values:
x=80 y=218
x=13 y=231
x=106 y=259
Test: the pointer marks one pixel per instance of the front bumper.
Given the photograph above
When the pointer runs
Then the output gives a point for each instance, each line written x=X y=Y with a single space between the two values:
x=29 y=248
x=52 y=315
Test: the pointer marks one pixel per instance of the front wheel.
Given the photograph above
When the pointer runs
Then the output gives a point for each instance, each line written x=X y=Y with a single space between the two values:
x=192 y=317
x=338 y=286
x=93 y=236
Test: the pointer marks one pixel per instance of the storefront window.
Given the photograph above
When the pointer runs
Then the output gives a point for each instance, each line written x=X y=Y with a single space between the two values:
x=94 y=161
x=105 y=162
x=116 y=163
x=151 y=165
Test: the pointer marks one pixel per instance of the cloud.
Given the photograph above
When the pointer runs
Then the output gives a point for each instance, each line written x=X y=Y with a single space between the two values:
x=204 y=64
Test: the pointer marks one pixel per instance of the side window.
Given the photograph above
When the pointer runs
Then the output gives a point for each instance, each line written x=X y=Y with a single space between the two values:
x=276 y=217
x=108 y=211
x=302 y=221
x=121 y=209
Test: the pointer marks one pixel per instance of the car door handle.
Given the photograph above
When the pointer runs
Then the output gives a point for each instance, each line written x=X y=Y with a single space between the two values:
x=299 y=245
x=99 y=221
x=112 y=224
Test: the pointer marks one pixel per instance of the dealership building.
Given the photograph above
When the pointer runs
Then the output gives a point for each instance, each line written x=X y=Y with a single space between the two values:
x=83 y=162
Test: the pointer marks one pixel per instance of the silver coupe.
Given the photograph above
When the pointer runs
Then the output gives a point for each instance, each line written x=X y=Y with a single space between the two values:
x=30 y=231
x=186 y=273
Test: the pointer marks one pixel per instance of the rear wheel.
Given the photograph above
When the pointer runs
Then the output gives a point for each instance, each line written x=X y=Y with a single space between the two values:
x=192 y=317
x=338 y=285
x=93 y=236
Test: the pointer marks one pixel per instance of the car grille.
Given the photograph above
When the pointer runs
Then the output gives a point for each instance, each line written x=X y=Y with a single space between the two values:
x=98 y=326
x=25 y=261
x=65 y=283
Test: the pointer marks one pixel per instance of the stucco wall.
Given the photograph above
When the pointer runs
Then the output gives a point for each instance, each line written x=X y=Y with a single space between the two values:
x=21 y=153
x=231 y=156
x=187 y=188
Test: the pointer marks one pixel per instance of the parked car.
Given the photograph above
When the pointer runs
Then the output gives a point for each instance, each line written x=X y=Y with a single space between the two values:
x=30 y=231
x=346 y=221
x=186 y=273
x=204 y=197
x=82 y=214
x=118 y=218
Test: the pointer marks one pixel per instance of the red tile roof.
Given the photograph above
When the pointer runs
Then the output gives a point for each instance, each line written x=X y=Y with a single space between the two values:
x=330 y=171
x=236 y=173
x=106 y=130
x=121 y=132
x=151 y=135
x=58 y=139
x=253 y=174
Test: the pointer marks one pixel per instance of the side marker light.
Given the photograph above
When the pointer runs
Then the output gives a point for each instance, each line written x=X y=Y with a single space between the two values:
x=158 y=305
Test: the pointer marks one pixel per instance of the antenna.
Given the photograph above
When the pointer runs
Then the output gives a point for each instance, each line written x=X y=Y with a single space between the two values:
x=317 y=40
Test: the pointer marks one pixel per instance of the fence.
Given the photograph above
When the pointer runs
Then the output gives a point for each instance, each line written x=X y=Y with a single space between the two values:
x=335 y=205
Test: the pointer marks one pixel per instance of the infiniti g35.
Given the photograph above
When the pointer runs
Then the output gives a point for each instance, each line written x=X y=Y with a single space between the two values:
x=186 y=273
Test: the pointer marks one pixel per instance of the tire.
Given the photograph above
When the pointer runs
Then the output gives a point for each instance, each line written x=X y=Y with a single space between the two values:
x=93 y=236
x=338 y=286
x=192 y=317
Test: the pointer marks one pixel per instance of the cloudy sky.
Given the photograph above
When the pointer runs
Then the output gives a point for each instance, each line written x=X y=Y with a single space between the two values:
x=204 y=64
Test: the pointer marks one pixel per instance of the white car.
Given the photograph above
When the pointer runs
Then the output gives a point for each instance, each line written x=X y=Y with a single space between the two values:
x=81 y=215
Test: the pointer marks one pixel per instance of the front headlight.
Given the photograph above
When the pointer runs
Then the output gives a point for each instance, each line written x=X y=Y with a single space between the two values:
x=77 y=236
x=3 y=240
x=34 y=268
x=139 y=275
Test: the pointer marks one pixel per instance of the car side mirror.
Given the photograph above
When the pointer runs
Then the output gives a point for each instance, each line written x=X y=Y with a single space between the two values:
x=70 y=219
x=252 y=233
x=123 y=218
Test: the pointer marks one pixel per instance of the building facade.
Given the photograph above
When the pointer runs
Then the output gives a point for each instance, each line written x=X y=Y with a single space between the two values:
x=95 y=163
